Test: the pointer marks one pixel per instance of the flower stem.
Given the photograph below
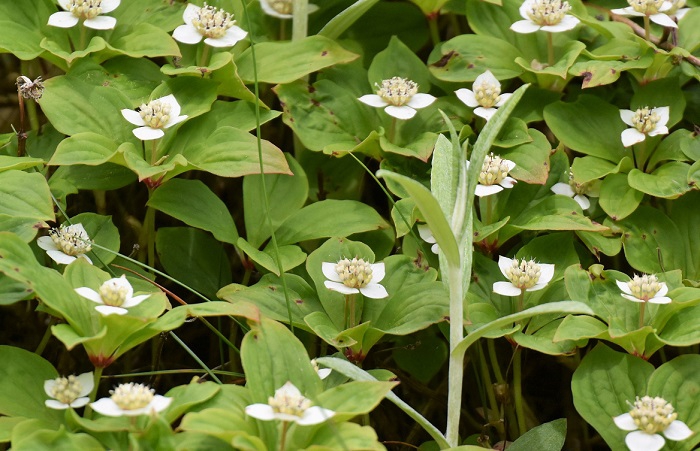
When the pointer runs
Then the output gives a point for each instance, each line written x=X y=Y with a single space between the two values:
x=646 y=27
x=346 y=313
x=392 y=130
x=154 y=152
x=97 y=375
x=521 y=299
x=204 y=59
x=518 y=389
x=642 y=308
x=352 y=310
x=83 y=37
x=550 y=50
x=433 y=26
x=148 y=235
x=300 y=21
x=456 y=363
x=283 y=439
x=21 y=134
x=47 y=335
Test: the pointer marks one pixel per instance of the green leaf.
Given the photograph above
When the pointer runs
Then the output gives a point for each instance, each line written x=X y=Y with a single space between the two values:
x=589 y=125
x=567 y=56
x=8 y=162
x=667 y=181
x=193 y=203
x=30 y=21
x=142 y=40
x=431 y=211
x=194 y=258
x=28 y=436
x=285 y=62
x=341 y=22
x=187 y=396
x=465 y=57
x=286 y=195
x=290 y=256
x=398 y=60
x=22 y=385
x=444 y=176
x=603 y=384
x=354 y=398
x=617 y=198
x=587 y=169
x=25 y=203
x=661 y=92
x=329 y=218
x=102 y=231
x=548 y=436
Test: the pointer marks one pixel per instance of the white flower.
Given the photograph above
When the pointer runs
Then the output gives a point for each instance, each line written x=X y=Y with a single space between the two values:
x=486 y=95
x=677 y=9
x=576 y=190
x=69 y=391
x=647 y=417
x=152 y=118
x=131 y=400
x=547 y=15
x=523 y=275
x=645 y=288
x=87 y=10
x=654 y=9
x=65 y=244
x=494 y=176
x=645 y=121
x=400 y=97
x=289 y=405
x=283 y=9
x=322 y=372
x=115 y=296
x=427 y=235
x=355 y=276
x=215 y=25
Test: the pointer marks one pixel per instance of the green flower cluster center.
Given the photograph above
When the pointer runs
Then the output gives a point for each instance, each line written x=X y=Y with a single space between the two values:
x=212 y=22
x=487 y=94
x=647 y=7
x=523 y=274
x=397 y=91
x=493 y=170
x=579 y=188
x=289 y=403
x=156 y=114
x=644 y=287
x=66 y=389
x=85 y=9
x=132 y=396
x=355 y=273
x=70 y=240
x=645 y=119
x=112 y=293
x=282 y=6
x=652 y=415
x=548 y=12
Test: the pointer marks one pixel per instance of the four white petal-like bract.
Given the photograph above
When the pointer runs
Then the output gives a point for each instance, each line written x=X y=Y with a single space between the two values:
x=153 y=118
x=644 y=121
x=89 y=11
x=131 y=400
x=399 y=97
x=115 y=296
x=486 y=96
x=214 y=25
x=69 y=391
x=427 y=235
x=289 y=404
x=493 y=176
x=579 y=191
x=656 y=10
x=522 y=275
x=646 y=419
x=546 y=15
x=283 y=9
x=645 y=288
x=65 y=244
x=355 y=276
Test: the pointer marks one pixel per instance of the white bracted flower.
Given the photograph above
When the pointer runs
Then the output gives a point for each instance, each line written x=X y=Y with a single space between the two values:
x=644 y=121
x=400 y=96
x=427 y=235
x=355 y=276
x=523 y=275
x=131 y=400
x=579 y=191
x=677 y=9
x=86 y=10
x=656 y=10
x=494 y=175
x=647 y=417
x=283 y=9
x=71 y=391
x=65 y=244
x=547 y=15
x=153 y=118
x=486 y=96
x=288 y=404
x=645 y=288
x=115 y=296
x=215 y=25
x=322 y=372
